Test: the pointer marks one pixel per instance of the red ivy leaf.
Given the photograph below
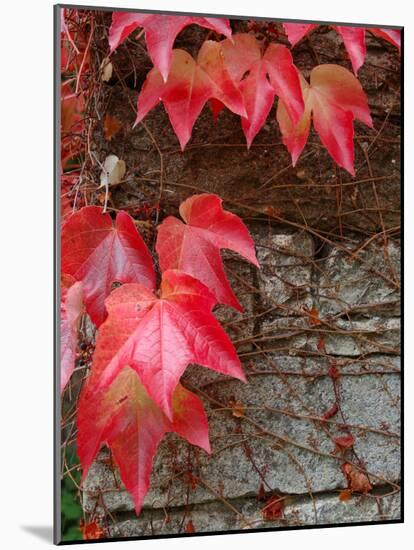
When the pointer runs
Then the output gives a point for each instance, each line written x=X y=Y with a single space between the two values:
x=160 y=33
x=99 y=253
x=91 y=531
x=296 y=31
x=128 y=421
x=354 y=42
x=273 y=509
x=194 y=246
x=159 y=337
x=268 y=75
x=353 y=37
x=393 y=36
x=331 y=412
x=313 y=316
x=189 y=86
x=344 y=441
x=334 y=98
x=189 y=528
x=70 y=313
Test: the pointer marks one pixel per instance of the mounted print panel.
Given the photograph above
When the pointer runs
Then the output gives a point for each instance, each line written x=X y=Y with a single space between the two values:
x=228 y=197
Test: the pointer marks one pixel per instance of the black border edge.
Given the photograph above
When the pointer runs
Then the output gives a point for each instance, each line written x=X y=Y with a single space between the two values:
x=57 y=534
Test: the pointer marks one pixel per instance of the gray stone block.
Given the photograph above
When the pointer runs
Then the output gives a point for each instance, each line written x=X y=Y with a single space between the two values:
x=360 y=283
x=286 y=270
x=280 y=439
x=247 y=514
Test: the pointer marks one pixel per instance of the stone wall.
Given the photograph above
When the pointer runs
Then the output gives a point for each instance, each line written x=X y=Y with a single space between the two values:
x=320 y=329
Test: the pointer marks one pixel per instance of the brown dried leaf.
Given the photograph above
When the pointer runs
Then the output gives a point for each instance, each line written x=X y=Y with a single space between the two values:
x=358 y=481
x=238 y=409
x=111 y=126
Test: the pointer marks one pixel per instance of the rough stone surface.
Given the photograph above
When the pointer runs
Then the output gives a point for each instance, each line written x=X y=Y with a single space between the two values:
x=283 y=443
x=323 y=510
x=360 y=283
x=286 y=449
x=286 y=270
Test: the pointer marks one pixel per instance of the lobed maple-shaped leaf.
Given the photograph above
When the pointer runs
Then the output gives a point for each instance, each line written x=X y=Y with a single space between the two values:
x=127 y=420
x=353 y=37
x=71 y=308
x=160 y=33
x=260 y=78
x=189 y=86
x=194 y=246
x=159 y=337
x=333 y=99
x=100 y=253
x=393 y=36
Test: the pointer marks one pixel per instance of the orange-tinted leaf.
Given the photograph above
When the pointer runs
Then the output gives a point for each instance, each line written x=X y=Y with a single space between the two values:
x=334 y=98
x=100 y=253
x=313 y=315
x=268 y=75
x=238 y=409
x=160 y=33
x=91 y=531
x=129 y=422
x=71 y=307
x=159 y=337
x=358 y=481
x=111 y=126
x=345 y=495
x=194 y=246
x=189 y=86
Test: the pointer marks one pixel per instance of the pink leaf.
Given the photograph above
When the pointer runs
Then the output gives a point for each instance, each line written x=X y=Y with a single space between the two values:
x=354 y=40
x=296 y=31
x=70 y=313
x=159 y=337
x=194 y=246
x=189 y=86
x=126 y=419
x=353 y=37
x=268 y=75
x=99 y=254
x=334 y=98
x=160 y=33
x=393 y=36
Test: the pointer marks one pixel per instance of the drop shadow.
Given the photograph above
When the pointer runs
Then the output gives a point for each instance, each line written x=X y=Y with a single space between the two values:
x=42 y=532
